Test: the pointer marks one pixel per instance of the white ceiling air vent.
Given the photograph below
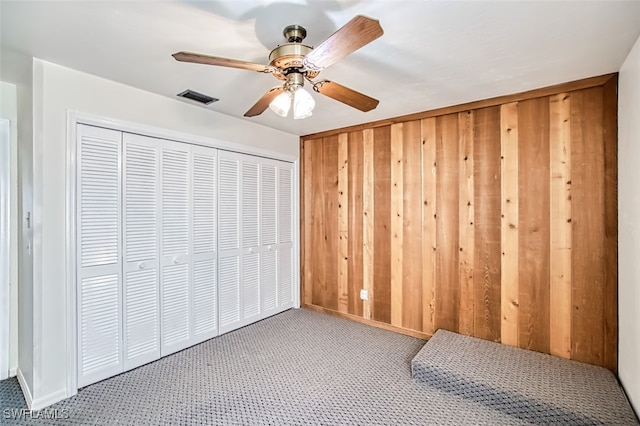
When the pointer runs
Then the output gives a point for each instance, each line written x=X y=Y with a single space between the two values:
x=197 y=97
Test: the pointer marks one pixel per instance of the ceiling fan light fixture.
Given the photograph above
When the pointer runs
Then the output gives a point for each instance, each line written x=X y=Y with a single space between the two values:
x=303 y=104
x=281 y=104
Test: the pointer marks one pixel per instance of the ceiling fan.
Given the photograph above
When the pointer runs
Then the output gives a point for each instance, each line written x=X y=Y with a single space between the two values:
x=294 y=62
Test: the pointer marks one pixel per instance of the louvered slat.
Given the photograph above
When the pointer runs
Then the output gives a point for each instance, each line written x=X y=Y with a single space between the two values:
x=204 y=203
x=141 y=321
x=285 y=204
x=251 y=285
x=175 y=304
x=99 y=323
x=228 y=233
x=285 y=276
x=268 y=204
x=175 y=198
x=204 y=297
x=229 y=290
x=268 y=280
x=99 y=213
x=250 y=219
x=141 y=204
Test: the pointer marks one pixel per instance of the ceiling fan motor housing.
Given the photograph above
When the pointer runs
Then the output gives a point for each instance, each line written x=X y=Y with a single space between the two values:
x=291 y=54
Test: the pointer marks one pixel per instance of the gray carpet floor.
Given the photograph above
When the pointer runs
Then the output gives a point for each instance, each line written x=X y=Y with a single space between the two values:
x=296 y=368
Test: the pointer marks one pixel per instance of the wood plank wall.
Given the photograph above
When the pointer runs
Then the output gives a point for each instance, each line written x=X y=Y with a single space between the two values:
x=496 y=219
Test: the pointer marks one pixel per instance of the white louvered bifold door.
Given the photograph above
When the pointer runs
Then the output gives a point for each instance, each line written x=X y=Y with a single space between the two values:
x=285 y=236
x=250 y=226
x=176 y=243
x=204 y=273
x=175 y=237
x=230 y=311
x=98 y=242
x=141 y=304
x=268 y=235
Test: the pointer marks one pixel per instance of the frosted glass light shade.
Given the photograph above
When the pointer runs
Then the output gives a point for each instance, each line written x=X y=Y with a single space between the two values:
x=303 y=104
x=281 y=104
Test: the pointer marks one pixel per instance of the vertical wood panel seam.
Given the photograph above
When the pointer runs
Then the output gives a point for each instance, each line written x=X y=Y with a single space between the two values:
x=466 y=215
x=560 y=218
x=429 y=176
x=412 y=227
x=509 y=228
x=368 y=220
x=611 y=224
x=397 y=206
x=343 y=222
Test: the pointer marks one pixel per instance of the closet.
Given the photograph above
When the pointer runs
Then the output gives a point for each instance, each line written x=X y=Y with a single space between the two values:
x=176 y=243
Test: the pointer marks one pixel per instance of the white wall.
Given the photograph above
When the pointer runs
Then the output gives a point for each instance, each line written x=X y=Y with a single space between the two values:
x=25 y=234
x=16 y=68
x=9 y=110
x=629 y=225
x=57 y=90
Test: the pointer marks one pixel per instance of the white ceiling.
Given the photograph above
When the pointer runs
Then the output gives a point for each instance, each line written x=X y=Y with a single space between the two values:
x=432 y=53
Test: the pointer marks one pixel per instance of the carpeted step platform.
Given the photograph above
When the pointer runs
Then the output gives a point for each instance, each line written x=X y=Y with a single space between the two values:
x=527 y=385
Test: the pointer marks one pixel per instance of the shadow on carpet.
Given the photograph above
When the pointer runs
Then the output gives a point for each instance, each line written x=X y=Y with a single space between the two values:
x=525 y=385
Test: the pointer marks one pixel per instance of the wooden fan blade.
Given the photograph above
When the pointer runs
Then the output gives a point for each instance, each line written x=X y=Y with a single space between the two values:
x=351 y=37
x=221 y=62
x=345 y=95
x=263 y=103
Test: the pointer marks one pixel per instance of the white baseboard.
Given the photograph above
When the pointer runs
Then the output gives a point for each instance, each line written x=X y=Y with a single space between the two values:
x=13 y=372
x=47 y=400
x=43 y=401
x=25 y=389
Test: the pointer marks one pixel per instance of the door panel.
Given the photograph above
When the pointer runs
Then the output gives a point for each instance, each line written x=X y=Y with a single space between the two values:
x=204 y=273
x=251 y=287
x=229 y=218
x=285 y=236
x=141 y=304
x=99 y=288
x=175 y=287
x=268 y=235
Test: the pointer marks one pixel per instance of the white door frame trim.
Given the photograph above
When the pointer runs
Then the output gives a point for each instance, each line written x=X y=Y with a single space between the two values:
x=76 y=117
x=5 y=246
